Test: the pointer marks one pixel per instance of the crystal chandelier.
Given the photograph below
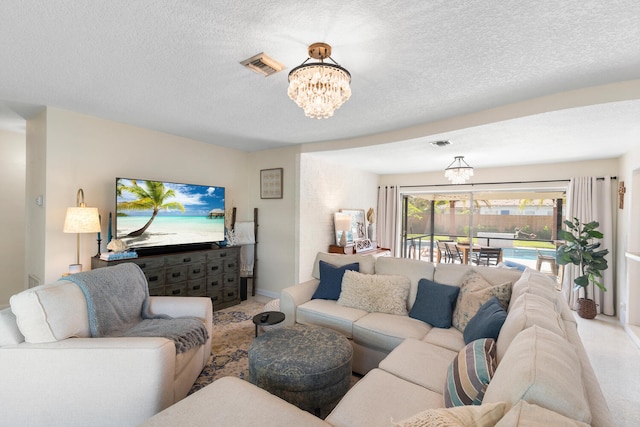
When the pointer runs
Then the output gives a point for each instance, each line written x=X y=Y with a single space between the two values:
x=319 y=88
x=458 y=172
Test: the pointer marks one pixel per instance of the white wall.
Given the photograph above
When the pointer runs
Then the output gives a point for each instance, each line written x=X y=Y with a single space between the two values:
x=12 y=214
x=629 y=233
x=325 y=188
x=89 y=153
x=277 y=223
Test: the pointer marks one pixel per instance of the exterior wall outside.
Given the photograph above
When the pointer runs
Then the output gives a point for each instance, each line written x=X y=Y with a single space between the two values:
x=12 y=217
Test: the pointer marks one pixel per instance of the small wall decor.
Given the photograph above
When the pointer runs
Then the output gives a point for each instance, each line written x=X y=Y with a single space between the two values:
x=621 y=190
x=271 y=183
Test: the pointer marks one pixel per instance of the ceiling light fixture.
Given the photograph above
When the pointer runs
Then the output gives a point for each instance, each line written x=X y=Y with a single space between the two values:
x=319 y=88
x=458 y=172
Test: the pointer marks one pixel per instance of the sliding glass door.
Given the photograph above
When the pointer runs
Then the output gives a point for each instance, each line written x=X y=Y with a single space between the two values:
x=524 y=224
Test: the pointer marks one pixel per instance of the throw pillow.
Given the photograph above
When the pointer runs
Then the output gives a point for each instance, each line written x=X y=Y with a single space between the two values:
x=330 y=284
x=486 y=323
x=375 y=293
x=434 y=303
x=463 y=416
x=469 y=373
x=475 y=290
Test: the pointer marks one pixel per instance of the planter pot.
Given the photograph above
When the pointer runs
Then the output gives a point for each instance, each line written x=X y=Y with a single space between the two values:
x=586 y=308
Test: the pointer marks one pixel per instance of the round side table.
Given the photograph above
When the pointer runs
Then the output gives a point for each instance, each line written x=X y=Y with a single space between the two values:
x=267 y=318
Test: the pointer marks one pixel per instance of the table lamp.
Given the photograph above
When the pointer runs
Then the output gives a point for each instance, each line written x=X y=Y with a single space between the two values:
x=80 y=219
x=343 y=224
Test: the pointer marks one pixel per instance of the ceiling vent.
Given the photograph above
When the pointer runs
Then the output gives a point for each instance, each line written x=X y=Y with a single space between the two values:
x=263 y=65
x=442 y=143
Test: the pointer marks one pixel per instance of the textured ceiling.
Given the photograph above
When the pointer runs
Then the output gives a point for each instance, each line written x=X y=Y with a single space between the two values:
x=173 y=66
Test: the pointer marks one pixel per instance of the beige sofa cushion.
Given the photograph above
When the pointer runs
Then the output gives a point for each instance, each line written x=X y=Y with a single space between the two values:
x=329 y=314
x=526 y=311
x=379 y=398
x=375 y=293
x=461 y=416
x=543 y=369
x=524 y=414
x=367 y=262
x=51 y=312
x=540 y=284
x=385 y=332
x=475 y=290
x=421 y=363
x=9 y=332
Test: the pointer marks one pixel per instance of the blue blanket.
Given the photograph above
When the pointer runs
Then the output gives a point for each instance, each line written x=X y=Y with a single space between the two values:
x=118 y=306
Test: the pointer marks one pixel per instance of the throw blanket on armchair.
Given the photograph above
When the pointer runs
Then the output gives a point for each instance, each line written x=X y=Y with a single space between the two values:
x=118 y=305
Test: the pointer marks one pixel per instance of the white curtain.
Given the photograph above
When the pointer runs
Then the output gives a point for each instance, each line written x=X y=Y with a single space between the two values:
x=387 y=215
x=589 y=199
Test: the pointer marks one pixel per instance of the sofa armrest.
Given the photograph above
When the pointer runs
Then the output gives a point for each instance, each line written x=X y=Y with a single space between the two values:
x=86 y=381
x=199 y=307
x=293 y=296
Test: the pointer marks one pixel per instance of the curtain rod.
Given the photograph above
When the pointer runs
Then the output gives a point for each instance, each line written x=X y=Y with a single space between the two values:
x=495 y=183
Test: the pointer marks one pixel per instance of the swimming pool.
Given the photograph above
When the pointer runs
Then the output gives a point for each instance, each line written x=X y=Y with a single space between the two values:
x=525 y=253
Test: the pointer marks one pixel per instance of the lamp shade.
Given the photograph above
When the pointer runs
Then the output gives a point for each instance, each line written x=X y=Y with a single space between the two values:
x=82 y=220
x=343 y=222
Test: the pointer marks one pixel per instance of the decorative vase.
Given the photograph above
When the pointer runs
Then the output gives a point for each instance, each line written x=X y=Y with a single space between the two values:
x=371 y=232
x=586 y=308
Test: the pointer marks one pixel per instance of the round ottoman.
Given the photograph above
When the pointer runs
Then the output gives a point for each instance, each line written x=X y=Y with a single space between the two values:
x=307 y=366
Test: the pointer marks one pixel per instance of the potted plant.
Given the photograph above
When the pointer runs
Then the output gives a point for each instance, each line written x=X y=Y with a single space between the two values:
x=580 y=249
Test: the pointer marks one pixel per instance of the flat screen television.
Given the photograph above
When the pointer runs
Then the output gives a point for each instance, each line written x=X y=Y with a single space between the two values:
x=159 y=217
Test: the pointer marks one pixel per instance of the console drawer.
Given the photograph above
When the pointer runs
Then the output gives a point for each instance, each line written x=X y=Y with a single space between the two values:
x=176 y=290
x=185 y=258
x=154 y=277
x=176 y=274
x=196 y=288
x=214 y=267
x=196 y=271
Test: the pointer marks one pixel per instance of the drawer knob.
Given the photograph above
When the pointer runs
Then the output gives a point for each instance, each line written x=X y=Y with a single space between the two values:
x=176 y=274
x=153 y=278
x=196 y=271
x=175 y=292
x=186 y=260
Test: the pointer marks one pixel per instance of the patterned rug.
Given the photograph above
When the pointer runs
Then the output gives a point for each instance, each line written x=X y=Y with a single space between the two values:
x=233 y=331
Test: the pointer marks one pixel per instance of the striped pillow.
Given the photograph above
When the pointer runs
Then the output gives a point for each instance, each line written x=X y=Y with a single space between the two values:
x=469 y=373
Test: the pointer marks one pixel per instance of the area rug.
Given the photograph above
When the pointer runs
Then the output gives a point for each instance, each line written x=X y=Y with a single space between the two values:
x=233 y=331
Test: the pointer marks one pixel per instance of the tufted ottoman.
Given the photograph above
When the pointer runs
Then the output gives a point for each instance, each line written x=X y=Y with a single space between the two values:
x=308 y=366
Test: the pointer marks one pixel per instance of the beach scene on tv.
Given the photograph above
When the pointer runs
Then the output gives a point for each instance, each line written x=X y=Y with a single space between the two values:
x=155 y=213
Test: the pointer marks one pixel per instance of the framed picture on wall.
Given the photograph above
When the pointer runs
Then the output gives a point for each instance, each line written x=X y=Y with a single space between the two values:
x=271 y=183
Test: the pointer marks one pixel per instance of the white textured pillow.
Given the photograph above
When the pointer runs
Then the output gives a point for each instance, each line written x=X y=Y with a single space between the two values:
x=470 y=415
x=543 y=369
x=52 y=312
x=9 y=332
x=375 y=293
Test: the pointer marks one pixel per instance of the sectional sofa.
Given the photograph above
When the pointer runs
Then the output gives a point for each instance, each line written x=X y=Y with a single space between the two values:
x=413 y=371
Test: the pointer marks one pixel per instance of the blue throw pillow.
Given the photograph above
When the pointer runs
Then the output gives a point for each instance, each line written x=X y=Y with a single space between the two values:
x=434 y=303
x=486 y=323
x=330 y=284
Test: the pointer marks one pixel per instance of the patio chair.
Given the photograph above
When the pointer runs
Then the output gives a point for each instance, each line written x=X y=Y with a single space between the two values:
x=445 y=256
x=454 y=253
x=487 y=256
x=550 y=259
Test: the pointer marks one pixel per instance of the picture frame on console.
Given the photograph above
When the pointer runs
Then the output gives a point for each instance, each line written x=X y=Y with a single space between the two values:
x=358 y=229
